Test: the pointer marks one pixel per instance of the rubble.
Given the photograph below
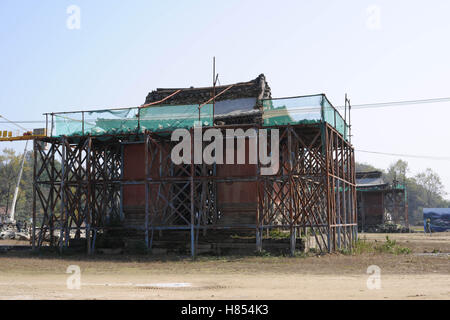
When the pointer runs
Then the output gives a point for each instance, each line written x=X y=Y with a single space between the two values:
x=388 y=228
x=11 y=232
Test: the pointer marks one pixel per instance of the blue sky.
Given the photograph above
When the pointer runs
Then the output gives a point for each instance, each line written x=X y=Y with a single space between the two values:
x=125 y=49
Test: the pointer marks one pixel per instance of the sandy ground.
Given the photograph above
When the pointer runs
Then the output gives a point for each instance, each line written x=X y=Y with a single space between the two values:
x=335 y=276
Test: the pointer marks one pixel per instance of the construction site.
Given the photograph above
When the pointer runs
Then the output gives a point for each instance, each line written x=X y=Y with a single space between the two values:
x=105 y=178
x=111 y=199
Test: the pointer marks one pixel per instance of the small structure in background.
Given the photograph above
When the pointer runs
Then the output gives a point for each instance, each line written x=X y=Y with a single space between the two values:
x=439 y=219
x=382 y=207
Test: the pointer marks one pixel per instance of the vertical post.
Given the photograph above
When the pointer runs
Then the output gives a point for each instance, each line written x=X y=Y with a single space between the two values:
x=354 y=195
x=63 y=200
x=349 y=122
x=258 y=229
x=82 y=122
x=52 y=124
x=345 y=117
x=338 y=212
x=345 y=175
x=146 y=187
x=293 y=240
x=33 y=234
x=363 y=212
x=291 y=195
x=214 y=89
x=192 y=195
x=52 y=195
x=406 y=206
x=335 y=185
x=89 y=169
x=327 y=176
x=394 y=200
x=121 y=182
x=139 y=121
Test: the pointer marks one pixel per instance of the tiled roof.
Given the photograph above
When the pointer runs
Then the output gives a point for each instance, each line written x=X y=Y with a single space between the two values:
x=257 y=89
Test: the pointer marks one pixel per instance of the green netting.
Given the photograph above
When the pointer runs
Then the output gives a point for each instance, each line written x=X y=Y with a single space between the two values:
x=111 y=122
x=167 y=118
x=68 y=124
x=303 y=110
x=382 y=187
x=132 y=120
x=299 y=110
x=340 y=125
x=292 y=111
x=97 y=122
x=334 y=118
x=329 y=113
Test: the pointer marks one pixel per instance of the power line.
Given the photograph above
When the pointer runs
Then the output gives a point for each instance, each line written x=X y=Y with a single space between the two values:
x=397 y=103
x=12 y=122
x=25 y=121
x=406 y=155
x=354 y=106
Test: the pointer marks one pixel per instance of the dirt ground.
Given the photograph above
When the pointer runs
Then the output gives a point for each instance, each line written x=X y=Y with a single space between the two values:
x=423 y=274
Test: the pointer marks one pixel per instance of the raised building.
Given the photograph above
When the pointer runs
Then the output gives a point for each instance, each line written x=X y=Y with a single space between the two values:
x=379 y=202
x=117 y=179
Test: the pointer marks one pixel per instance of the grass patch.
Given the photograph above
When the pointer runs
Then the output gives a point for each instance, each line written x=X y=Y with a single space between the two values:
x=263 y=253
x=390 y=246
x=279 y=234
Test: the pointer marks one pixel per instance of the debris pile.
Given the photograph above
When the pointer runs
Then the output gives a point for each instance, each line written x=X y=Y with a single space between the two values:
x=388 y=228
x=14 y=232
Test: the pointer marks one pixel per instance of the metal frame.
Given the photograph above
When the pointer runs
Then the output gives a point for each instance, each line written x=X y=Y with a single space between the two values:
x=78 y=185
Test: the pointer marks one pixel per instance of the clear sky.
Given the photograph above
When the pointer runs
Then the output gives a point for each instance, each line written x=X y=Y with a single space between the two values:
x=375 y=51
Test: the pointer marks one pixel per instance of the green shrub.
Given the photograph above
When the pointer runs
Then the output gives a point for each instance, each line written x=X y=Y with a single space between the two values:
x=390 y=246
x=278 y=234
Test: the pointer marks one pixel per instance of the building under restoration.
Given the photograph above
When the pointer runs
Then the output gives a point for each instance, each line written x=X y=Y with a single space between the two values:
x=380 y=203
x=108 y=174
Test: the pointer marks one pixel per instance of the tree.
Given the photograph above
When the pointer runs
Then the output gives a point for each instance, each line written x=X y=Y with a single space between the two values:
x=9 y=164
x=9 y=169
x=398 y=171
x=364 y=167
x=432 y=184
x=424 y=190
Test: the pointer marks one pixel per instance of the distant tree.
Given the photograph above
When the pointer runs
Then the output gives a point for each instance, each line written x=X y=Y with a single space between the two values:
x=397 y=171
x=9 y=165
x=9 y=169
x=432 y=184
x=424 y=190
x=364 y=167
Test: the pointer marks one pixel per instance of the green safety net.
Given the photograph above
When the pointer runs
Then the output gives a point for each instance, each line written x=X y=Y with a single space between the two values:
x=166 y=118
x=382 y=187
x=334 y=118
x=68 y=124
x=132 y=120
x=111 y=122
x=300 y=110
x=303 y=110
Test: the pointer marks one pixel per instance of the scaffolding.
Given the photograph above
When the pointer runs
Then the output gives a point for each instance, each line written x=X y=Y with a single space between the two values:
x=79 y=185
x=381 y=205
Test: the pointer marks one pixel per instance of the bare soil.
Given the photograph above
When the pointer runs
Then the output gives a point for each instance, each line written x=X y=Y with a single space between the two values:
x=24 y=275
